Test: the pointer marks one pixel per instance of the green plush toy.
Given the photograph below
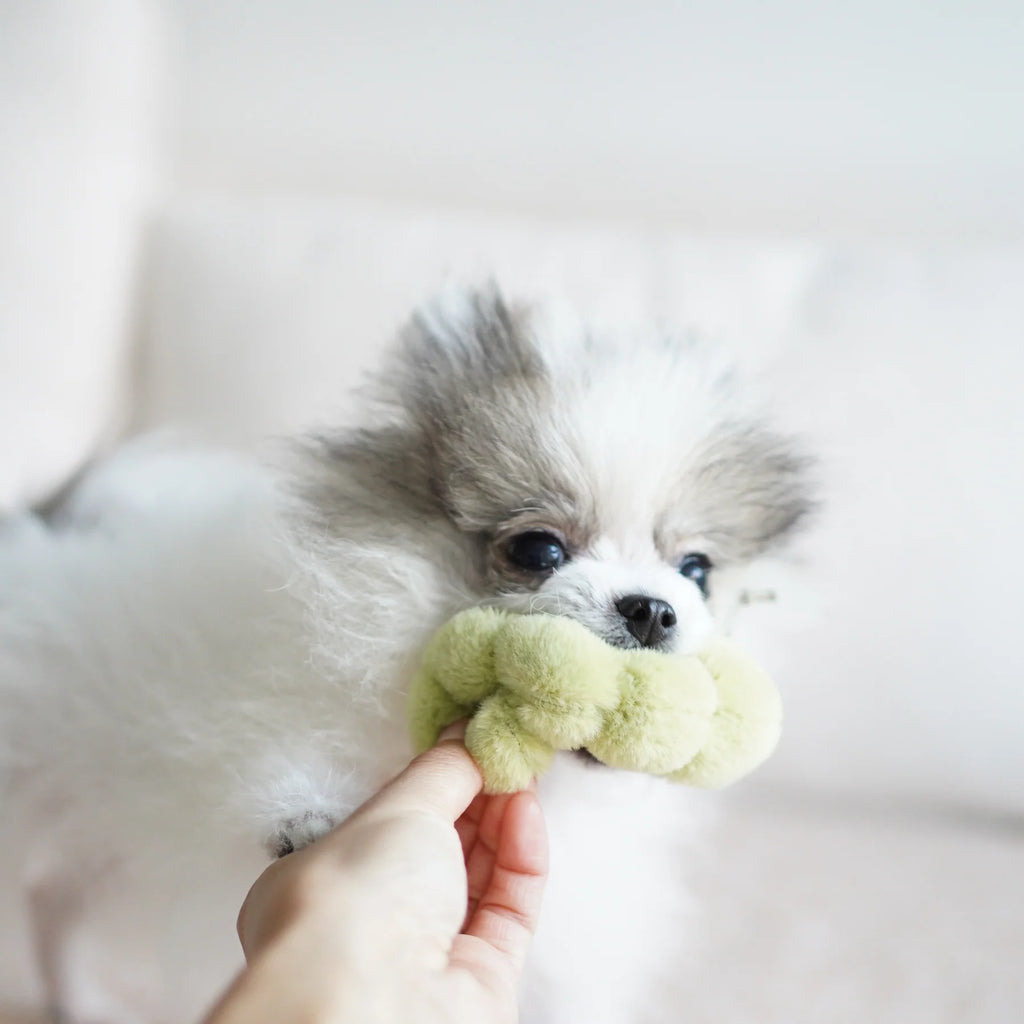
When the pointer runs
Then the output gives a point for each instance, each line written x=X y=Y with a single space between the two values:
x=534 y=684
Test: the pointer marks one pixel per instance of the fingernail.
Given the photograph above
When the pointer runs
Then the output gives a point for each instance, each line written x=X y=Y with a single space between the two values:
x=455 y=731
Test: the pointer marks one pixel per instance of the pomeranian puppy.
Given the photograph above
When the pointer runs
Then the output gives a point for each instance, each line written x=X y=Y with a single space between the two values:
x=204 y=661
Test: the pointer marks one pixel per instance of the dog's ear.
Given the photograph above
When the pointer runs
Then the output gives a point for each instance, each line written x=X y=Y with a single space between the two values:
x=756 y=485
x=465 y=342
x=460 y=417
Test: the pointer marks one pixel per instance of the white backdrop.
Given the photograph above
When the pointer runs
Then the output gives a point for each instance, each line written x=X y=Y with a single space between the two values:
x=875 y=118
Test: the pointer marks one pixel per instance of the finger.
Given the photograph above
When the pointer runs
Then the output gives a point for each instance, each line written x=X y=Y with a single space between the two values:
x=442 y=781
x=468 y=824
x=483 y=854
x=509 y=908
x=446 y=773
x=455 y=731
x=275 y=900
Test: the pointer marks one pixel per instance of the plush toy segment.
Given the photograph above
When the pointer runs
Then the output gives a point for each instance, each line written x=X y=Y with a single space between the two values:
x=745 y=726
x=534 y=684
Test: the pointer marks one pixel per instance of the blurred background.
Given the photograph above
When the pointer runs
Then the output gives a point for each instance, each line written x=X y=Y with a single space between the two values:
x=213 y=214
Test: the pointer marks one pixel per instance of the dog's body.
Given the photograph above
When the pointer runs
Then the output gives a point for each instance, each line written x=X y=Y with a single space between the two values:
x=199 y=664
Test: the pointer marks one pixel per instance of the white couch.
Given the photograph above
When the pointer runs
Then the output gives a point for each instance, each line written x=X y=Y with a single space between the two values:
x=181 y=243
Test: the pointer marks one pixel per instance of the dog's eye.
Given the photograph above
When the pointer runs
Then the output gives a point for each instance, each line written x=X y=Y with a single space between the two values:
x=696 y=567
x=536 y=551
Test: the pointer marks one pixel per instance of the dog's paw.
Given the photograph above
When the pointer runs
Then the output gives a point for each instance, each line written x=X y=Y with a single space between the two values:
x=295 y=833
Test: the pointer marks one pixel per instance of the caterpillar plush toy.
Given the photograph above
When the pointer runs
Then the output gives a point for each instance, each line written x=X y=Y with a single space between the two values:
x=534 y=684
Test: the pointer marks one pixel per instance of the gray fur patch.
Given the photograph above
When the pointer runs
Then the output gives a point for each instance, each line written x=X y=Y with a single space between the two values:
x=470 y=428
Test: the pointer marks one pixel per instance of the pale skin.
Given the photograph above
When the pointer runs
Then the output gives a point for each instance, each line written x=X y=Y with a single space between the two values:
x=420 y=908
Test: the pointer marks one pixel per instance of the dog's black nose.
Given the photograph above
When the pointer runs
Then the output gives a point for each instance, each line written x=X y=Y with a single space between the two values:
x=651 y=621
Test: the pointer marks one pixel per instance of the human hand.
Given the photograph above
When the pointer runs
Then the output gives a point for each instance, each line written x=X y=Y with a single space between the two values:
x=419 y=908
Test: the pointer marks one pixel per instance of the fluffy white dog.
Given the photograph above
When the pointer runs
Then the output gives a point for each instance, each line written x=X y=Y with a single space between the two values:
x=203 y=662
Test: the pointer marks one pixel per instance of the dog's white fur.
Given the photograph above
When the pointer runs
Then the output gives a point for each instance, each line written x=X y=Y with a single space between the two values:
x=196 y=664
